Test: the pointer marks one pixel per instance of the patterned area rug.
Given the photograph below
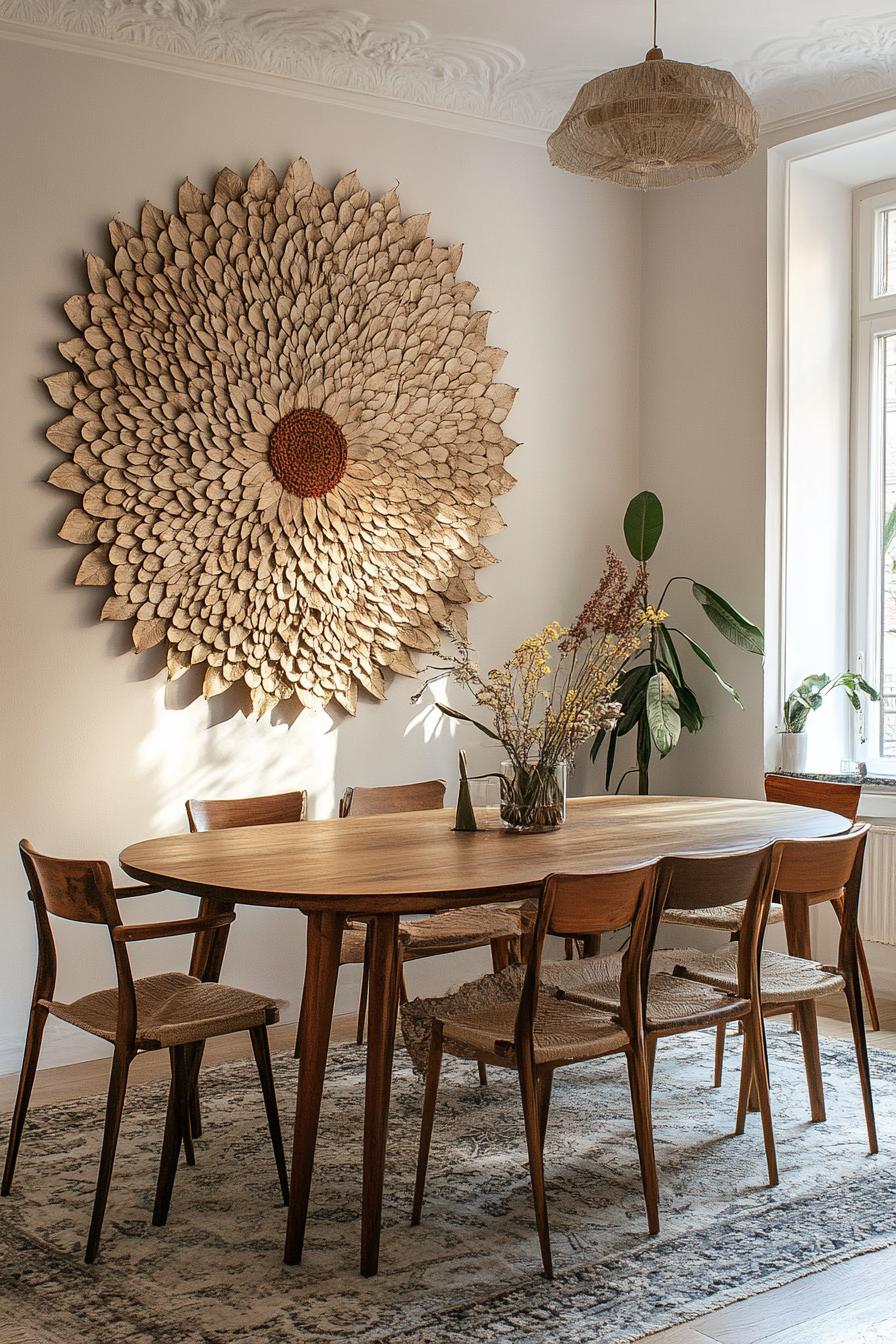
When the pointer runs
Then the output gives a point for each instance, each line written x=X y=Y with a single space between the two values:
x=471 y=1271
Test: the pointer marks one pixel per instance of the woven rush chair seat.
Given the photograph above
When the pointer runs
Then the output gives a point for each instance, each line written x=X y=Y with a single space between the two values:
x=564 y=1031
x=448 y=931
x=671 y=999
x=723 y=918
x=496 y=990
x=783 y=979
x=172 y=1009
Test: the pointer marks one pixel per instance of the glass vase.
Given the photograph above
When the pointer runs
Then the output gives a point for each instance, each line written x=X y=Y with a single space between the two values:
x=533 y=795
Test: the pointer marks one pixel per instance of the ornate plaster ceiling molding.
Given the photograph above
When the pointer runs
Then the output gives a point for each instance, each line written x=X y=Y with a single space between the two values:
x=346 y=54
x=844 y=61
x=343 y=50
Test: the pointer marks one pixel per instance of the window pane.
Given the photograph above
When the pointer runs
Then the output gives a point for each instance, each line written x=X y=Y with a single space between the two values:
x=887 y=269
x=888 y=587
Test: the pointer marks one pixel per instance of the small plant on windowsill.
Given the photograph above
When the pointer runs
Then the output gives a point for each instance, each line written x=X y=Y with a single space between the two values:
x=800 y=704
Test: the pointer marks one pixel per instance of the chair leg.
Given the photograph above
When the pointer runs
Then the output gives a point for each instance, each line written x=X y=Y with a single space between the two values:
x=500 y=953
x=807 y=1025
x=182 y=1101
x=639 y=1084
x=362 y=1001
x=118 y=1083
x=856 y=1017
x=171 y=1142
x=262 y=1052
x=402 y=987
x=36 y=1024
x=746 y=1089
x=870 y=1001
x=194 y=1064
x=433 y=1074
x=297 y=1048
x=483 y=1075
x=529 y=1095
x=720 y=1055
x=545 y=1087
x=865 y=970
x=650 y=1055
x=756 y=1033
x=195 y=1112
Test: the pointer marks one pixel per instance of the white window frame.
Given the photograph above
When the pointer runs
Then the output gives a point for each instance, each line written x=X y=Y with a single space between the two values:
x=873 y=316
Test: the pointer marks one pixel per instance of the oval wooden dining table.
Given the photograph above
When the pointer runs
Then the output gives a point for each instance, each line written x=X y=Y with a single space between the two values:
x=414 y=863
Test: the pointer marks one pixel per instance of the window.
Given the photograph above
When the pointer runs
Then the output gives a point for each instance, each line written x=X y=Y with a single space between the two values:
x=874 y=469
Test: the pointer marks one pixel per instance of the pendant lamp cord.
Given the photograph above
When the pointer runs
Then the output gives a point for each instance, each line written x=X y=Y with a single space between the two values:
x=654 y=21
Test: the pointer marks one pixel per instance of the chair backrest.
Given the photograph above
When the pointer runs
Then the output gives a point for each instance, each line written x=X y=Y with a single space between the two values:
x=77 y=889
x=701 y=882
x=840 y=798
x=832 y=869
x=599 y=903
x=223 y=814
x=80 y=890
x=426 y=796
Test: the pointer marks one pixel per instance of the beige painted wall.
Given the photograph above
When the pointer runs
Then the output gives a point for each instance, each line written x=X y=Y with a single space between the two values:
x=96 y=753
x=703 y=445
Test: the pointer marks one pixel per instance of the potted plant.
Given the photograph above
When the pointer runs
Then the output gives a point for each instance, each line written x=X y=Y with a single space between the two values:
x=799 y=705
x=656 y=700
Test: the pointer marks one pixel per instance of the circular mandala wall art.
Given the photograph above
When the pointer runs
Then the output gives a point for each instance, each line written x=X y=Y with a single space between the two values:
x=283 y=420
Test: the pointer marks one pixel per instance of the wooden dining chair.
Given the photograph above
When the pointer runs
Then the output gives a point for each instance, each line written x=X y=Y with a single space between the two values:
x=496 y=926
x=539 y=1033
x=222 y=814
x=726 y=918
x=171 y=1011
x=808 y=871
x=678 y=1003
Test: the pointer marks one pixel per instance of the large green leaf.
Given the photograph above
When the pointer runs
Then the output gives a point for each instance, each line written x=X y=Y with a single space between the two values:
x=705 y=658
x=643 y=525
x=645 y=742
x=728 y=621
x=689 y=710
x=670 y=653
x=611 y=760
x=634 y=711
x=662 y=713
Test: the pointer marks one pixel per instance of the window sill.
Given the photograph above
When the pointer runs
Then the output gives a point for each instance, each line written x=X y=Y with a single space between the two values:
x=885 y=783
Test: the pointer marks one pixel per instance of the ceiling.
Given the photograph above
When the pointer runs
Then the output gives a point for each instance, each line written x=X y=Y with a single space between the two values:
x=516 y=63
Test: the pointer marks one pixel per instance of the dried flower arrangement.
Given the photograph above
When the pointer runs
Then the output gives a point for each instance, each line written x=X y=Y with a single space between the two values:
x=553 y=693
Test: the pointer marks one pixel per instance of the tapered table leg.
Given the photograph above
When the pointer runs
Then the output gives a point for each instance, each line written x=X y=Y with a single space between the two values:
x=383 y=977
x=799 y=944
x=324 y=945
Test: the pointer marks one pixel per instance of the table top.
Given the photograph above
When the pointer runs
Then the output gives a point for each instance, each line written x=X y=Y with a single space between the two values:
x=415 y=863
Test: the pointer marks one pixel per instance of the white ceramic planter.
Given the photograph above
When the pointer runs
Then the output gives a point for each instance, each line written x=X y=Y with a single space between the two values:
x=793 y=752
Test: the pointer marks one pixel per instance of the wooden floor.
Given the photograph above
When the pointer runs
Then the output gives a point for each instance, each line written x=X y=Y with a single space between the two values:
x=854 y=1302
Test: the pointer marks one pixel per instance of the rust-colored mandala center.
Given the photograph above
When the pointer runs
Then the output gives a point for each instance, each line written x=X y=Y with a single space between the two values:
x=308 y=452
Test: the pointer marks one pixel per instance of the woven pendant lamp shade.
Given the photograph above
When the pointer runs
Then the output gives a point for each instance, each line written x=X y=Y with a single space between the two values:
x=657 y=124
